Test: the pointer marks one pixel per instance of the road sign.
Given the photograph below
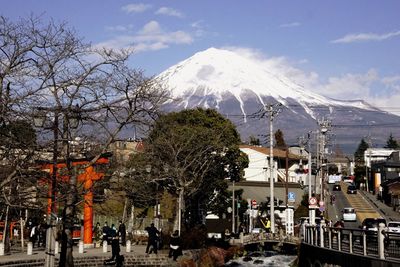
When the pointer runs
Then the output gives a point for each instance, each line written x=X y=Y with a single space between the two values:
x=254 y=202
x=291 y=197
x=289 y=221
x=321 y=203
x=312 y=201
x=321 y=208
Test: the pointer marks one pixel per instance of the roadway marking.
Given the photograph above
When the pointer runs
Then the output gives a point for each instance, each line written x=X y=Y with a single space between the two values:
x=363 y=207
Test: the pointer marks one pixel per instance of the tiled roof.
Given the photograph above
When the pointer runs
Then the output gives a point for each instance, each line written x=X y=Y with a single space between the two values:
x=278 y=153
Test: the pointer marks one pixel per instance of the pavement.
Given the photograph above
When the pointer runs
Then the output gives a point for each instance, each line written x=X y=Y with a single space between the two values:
x=384 y=210
x=39 y=253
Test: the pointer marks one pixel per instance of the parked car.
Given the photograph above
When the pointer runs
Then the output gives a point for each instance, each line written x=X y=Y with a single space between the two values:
x=337 y=187
x=349 y=214
x=351 y=189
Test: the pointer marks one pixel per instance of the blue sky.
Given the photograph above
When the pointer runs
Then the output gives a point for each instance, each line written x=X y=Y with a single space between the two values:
x=341 y=49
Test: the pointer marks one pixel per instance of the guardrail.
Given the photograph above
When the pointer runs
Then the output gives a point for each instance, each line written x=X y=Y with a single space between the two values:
x=380 y=243
x=259 y=237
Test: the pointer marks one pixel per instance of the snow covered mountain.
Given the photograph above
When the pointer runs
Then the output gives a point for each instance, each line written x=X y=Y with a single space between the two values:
x=240 y=88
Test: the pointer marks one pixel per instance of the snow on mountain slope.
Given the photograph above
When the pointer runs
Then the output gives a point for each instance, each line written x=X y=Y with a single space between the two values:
x=214 y=72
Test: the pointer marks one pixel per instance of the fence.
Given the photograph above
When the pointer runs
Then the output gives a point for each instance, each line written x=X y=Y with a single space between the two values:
x=380 y=243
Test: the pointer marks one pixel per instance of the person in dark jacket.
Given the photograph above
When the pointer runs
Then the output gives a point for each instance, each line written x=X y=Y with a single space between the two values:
x=153 y=238
x=175 y=245
x=106 y=230
x=122 y=233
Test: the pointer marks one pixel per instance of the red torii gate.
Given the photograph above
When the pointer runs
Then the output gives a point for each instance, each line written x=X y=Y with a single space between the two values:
x=87 y=177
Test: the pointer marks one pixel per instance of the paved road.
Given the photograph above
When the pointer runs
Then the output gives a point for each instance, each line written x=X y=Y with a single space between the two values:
x=365 y=204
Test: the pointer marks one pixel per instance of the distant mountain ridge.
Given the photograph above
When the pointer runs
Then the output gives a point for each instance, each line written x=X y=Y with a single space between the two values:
x=240 y=88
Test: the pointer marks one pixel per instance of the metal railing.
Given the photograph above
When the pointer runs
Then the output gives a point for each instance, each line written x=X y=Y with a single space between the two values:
x=380 y=243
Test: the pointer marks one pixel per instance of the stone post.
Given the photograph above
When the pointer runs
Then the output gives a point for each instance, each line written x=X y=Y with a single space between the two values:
x=30 y=248
x=80 y=247
x=128 y=246
x=56 y=247
x=104 y=246
x=1 y=249
x=321 y=233
x=381 y=238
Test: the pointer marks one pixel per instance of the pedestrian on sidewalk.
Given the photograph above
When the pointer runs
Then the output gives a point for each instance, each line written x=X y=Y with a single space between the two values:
x=175 y=246
x=122 y=233
x=152 y=242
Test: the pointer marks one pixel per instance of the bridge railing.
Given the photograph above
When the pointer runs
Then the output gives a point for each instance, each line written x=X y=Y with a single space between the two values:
x=378 y=243
x=263 y=236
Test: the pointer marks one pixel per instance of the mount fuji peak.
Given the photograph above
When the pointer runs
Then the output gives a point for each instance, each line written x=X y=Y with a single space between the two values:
x=239 y=87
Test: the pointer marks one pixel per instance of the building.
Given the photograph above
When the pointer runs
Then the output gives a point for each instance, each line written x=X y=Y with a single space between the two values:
x=385 y=179
x=258 y=169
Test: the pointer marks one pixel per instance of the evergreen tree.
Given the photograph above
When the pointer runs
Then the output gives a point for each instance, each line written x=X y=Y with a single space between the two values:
x=254 y=141
x=359 y=154
x=391 y=142
x=280 y=141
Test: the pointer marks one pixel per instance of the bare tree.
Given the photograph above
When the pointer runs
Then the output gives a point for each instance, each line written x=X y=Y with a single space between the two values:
x=48 y=71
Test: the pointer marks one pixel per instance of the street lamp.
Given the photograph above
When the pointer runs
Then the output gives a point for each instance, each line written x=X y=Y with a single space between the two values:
x=70 y=120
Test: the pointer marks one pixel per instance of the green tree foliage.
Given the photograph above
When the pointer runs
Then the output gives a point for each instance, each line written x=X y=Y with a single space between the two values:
x=359 y=154
x=254 y=141
x=391 y=142
x=191 y=153
x=279 y=139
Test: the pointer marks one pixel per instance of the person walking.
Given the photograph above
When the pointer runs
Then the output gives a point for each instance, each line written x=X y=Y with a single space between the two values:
x=97 y=234
x=116 y=258
x=175 y=246
x=122 y=233
x=106 y=230
x=152 y=240
x=268 y=226
x=33 y=236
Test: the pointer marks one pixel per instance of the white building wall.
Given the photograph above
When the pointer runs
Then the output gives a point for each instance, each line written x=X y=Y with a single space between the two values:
x=376 y=154
x=258 y=169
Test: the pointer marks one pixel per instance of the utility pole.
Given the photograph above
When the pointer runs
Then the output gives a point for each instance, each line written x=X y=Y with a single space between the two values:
x=324 y=128
x=369 y=161
x=272 y=111
x=311 y=212
x=233 y=206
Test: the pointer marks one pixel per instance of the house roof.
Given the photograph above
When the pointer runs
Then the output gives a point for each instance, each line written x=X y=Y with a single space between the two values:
x=277 y=153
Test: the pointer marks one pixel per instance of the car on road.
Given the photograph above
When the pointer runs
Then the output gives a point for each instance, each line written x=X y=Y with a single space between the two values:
x=347 y=179
x=371 y=224
x=393 y=227
x=393 y=230
x=351 y=189
x=337 y=187
x=349 y=214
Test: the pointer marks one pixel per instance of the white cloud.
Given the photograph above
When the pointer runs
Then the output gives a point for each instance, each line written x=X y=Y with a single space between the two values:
x=290 y=25
x=365 y=37
x=152 y=27
x=169 y=12
x=150 y=38
x=350 y=86
x=136 y=8
x=119 y=28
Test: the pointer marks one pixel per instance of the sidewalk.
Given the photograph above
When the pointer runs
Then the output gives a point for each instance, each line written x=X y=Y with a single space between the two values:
x=386 y=211
x=39 y=253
